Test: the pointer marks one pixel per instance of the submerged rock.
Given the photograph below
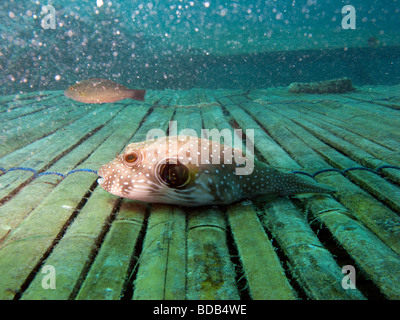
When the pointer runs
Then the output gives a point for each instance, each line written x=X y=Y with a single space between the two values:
x=331 y=86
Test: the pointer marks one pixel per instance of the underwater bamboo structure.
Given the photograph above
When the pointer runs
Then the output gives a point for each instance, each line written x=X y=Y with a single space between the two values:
x=53 y=213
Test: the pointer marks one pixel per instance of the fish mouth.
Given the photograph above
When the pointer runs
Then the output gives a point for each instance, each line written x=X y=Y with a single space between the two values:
x=100 y=181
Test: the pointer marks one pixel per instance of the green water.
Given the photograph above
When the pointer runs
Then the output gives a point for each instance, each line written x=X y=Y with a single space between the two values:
x=204 y=44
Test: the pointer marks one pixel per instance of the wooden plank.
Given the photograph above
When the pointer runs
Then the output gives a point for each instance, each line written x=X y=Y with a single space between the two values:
x=19 y=207
x=264 y=274
x=203 y=96
x=22 y=100
x=354 y=145
x=37 y=146
x=365 y=207
x=163 y=257
x=35 y=126
x=188 y=118
x=368 y=159
x=188 y=98
x=364 y=256
x=341 y=113
x=26 y=95
x=310 y=262
x=372 y=146
x=52 y=148
x=263 y=142
x=174 y=99
x=105 y=248
x=344 y=112
x=214 y=119
x=210 y=272
x=367 y=105
x=158 y=119
x=381 y=130
x=372 y=256
x=111 y=269
x=13 y=212
x=17 y=113
x=152 y=97
x=304 y=266
x=382 y=189
x=73 y=252
x=165 y=98
x=372 y=92
x=386 y=96
x=352 y=151
x=27 y=106
x=34 y=238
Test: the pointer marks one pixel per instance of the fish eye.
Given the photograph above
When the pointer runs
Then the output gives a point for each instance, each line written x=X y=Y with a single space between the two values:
x=174 y=175
x=131 y=158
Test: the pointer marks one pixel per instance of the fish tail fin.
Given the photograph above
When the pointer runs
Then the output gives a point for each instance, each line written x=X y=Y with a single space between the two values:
x=300 y=184
x=138 y=95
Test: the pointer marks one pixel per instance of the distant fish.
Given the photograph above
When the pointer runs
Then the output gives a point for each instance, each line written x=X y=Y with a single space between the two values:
x=157 y=171
x=102 y=91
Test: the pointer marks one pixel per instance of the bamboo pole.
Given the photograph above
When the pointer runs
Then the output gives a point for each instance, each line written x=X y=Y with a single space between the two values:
x=365 y=257
x=210 y=272
x=110 y=272
x=35 y=238
x=263 y=270
x=161 y=273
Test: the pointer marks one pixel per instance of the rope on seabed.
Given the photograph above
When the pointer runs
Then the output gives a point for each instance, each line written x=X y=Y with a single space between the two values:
x=37 y=174
x=376 y=171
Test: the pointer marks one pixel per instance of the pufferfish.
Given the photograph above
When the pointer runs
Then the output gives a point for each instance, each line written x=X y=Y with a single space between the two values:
x=191 y=171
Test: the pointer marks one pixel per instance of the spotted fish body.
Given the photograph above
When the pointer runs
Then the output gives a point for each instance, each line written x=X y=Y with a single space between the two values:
x=189 y=171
